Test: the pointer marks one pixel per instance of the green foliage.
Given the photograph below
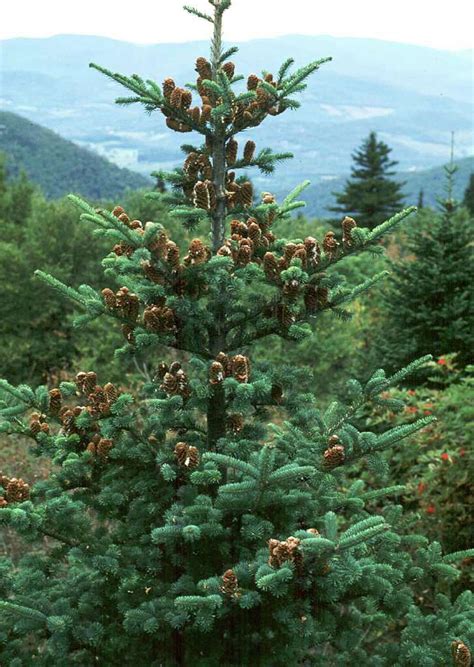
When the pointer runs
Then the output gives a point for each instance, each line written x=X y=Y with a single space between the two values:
x=431 y=289
x=215 y=500
x=468 y=200
x=370 y=196
x=437 y=468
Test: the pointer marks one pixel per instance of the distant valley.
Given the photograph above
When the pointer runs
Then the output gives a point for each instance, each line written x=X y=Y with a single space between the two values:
x=59 y=166
x=412 y=96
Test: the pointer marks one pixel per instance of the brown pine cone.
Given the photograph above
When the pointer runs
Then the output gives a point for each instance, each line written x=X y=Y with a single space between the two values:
x=322 y=294
x=103 y=448
x=206 y=113
x=175 y=99
x=249 y=151
x=252 y=82
x=55 y=401
x=235 y=422
x=153 y=274
x=128 y=333
x=229 y=69
x=109 y=298
x=169 y=384
x=195 y=114
x=117 y=211
x=231 y=151
x=281 y=552
x=159 y=319
x=254 y=231
x=203 y=68
x=333 y=457
x=461 y=654
x=16 y=491
x=216 y=373
x=198 y=253
x=90 y=382
x=186 y=99
x=172 y=254
x=240 y=368
x=291 y=289
x=244 y=254
x=230 y=584
x=111 y=392
x=187 y=455
x=158 y=244
x=330 y=245
x=270 y=266
x=284 y=315
x=348 y=224
x=226 y=363
x=246 y=194
x=168 y=87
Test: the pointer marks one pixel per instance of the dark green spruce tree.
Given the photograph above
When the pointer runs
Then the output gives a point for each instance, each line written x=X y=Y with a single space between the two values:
x=430 y=294
x=468 y=200
x=370 y=195
x=207 y=520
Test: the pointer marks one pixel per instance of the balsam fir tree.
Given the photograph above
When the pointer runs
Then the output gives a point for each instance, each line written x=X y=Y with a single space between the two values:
x=206 y=521
x=370 y=195
x=431 y=290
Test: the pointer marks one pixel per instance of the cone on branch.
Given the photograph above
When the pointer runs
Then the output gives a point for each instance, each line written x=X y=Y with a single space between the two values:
x=231 y=152
x=249 y=151
x=229 y=69
x=348 y=224
x=252 y=82
x=461 y=654
x=16 y=490
x=235 y=422
x=186 y=455
x=203 y=68
x=330 y=245
x=313 y=251
x=159 y=319
x=111 y=392
x=246 y=194
x=86 y=382
x=168 y=87
x=240 y=368
x=198 y=253
x=204 y=195
x=230 y=584
x=271 y=267
x=286 y=551
x=216 y=373
x=55 y=401
x=334 y=457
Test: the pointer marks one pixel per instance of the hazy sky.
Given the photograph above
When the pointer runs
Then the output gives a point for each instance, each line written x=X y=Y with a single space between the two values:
x=445 y=25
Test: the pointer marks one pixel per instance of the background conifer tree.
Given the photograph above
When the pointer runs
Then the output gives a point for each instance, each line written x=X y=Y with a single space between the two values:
x=207 y=519
x=370 y=195
x=468 y=200
x=430 y=294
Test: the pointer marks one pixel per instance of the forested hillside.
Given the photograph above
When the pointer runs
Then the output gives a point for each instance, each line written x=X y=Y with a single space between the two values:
x=59 y=166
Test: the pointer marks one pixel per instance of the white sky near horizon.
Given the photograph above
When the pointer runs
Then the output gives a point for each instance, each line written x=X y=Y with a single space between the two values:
x=430 y=23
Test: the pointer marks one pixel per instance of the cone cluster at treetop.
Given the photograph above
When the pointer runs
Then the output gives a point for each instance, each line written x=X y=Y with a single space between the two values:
x=207 y=519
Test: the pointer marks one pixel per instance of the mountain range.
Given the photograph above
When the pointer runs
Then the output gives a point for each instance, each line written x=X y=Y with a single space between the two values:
x=412 y=96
